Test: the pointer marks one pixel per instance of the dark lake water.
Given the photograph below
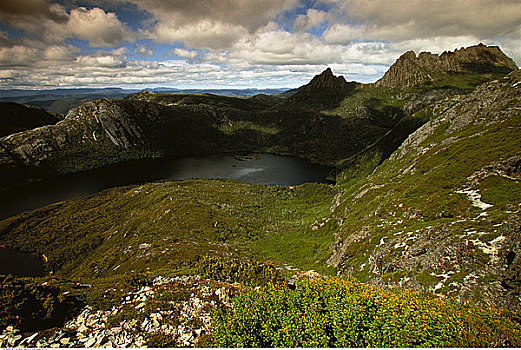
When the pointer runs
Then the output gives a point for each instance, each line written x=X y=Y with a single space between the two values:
x=265 y=169
x=20 y=264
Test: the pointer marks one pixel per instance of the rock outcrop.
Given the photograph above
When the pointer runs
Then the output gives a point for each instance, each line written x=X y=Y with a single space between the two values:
x=324 y=91
x=326 y=80
x=146 y=317
x=427 y=68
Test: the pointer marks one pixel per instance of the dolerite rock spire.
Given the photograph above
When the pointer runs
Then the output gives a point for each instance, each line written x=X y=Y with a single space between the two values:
x=326 y=80
x=410 y=70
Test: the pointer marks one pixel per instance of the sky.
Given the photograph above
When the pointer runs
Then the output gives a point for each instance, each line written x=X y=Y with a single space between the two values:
x=234 y=43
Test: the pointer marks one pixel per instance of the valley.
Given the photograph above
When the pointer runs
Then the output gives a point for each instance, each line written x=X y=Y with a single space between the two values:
x=424 y=215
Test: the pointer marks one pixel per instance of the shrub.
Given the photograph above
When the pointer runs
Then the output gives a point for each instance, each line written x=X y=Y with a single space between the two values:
x=248 y=272
x=344 y=313
x=160 y=340
x=28 y=304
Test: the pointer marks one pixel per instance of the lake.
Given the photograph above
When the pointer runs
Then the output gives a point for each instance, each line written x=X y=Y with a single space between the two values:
x=19 y=264
x=263 y=168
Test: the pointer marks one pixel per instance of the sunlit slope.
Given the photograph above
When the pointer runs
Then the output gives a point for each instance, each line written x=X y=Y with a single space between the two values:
x=443 y=212
x=170 y=225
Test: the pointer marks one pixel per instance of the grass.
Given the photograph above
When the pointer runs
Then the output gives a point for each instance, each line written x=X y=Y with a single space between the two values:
x=169 y=225
x=232 y=127
x=415 y=196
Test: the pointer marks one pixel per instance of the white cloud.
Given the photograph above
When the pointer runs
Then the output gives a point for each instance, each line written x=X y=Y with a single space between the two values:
x=241 y=42
x=203 y=34
x=311 y=19
x=250 y=14
x=52 y=23
x=97 y=26
x=143 y=51
x=185 y=53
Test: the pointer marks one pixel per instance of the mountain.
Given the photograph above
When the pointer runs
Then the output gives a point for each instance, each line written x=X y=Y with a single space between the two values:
x=148 y=124
x=62 y=100
x=323 y=91
x=15 y=118
x=427 y=199
x=442 y=213
x=427 y=68
x=329 y=121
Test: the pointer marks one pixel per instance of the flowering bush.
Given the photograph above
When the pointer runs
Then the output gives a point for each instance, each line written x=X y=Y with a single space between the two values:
x=344 y=313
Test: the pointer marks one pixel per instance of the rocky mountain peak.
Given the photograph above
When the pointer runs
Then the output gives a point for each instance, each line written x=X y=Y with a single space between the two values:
x=326 y=80
x=410 y=70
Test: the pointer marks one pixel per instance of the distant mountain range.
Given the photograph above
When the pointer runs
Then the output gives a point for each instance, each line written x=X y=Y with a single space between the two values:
x=62 y=100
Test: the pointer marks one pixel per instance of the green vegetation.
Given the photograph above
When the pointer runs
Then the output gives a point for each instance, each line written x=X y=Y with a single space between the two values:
x=246 y=125
x=29 y=304
x=500 y=191
x=344 y=313
x=169 y=226
x=250 y=273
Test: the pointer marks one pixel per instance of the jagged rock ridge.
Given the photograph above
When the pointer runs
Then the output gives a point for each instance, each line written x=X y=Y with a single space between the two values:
x=326 y=80
x=411 y=70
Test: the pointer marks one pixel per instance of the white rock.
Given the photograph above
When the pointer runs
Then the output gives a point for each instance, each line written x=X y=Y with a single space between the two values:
x=82 y=329
x=30 y=339
x=90 y=342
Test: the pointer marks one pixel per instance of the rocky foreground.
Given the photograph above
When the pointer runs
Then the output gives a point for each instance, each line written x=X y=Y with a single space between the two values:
x=173 y=311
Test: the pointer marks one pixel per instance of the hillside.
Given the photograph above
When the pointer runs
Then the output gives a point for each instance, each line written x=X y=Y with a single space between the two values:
x=451 y=191
x=328 y=121
x=16 y=118
x=422 y=227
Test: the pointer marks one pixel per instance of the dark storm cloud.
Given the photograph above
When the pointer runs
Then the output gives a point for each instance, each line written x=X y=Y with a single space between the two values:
x=18 y=12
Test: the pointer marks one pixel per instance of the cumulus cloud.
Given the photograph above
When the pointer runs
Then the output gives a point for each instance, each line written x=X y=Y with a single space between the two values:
x=406 y=19
x=213 y=24
x=28 y=14
x=52 y=23
x=31 y=16
x=273 y=46
x=250 y=14
x=185 y=53
x=243 y=42
x=203 y=34
x=100 y=28
x=32 y=53
x=311 y=19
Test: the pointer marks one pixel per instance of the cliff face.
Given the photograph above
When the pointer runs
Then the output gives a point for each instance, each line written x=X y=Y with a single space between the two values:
x=442 y=213
x=104 y=132
x=411 y=70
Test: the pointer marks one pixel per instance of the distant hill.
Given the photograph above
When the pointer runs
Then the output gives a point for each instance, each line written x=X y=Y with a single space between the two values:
x=15 y=118
x=62 y=100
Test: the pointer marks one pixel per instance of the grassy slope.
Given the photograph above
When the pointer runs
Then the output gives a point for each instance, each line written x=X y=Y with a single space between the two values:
x=408 y=213
x=168 y=225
